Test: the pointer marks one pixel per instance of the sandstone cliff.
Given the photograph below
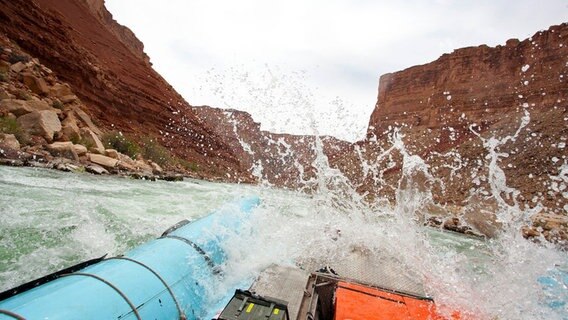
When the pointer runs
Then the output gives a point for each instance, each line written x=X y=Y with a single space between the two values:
x=105 y=66
x=453 y=111
x=282 y=160
x=475 y=84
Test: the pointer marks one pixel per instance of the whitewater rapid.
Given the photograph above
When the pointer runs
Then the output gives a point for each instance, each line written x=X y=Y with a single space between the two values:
x=50 y=220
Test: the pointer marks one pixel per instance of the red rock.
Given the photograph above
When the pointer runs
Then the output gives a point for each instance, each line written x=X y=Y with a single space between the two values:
x=36 y=85
x=15 y=106
x=284 y=157
x=60 y=90
x=107 y=69
x=479 y=83
x=68 y=99
x=17 y=67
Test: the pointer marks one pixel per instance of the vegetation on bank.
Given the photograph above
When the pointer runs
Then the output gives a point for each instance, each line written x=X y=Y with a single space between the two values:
x=10 y=126
x=147 y=147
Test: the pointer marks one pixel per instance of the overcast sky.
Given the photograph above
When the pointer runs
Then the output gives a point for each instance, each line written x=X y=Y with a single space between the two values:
x=306 y=66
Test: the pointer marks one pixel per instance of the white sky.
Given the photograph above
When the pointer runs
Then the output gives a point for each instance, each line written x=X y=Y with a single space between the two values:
x=307 y=66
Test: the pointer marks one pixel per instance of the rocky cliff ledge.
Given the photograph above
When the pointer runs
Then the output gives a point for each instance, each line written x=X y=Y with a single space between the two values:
x=105 y=66
x=463 y=114
x=282 y=160
x=475 y=84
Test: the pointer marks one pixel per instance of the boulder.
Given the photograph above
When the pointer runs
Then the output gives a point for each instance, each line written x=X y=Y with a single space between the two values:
x=37 y=85
x=142 y=166
x=123 y=165
x=10 y=141
x=106 y=162
x=95 y=169
x=80 y=149
x=156 y=169
x=46 y=70
x=70 y=128
x=63 y=149
x=18 y=67
x=21 y=107
x=15 y=106
x=68 y=99
x=550 y=221
x=60 y=90
x=67 y=167
x=126 y=163
x=92 y=138
x=43 y=123
x=87 y=120
x=10 y=162
x=39 y=105
x=172 y=178
x=4 y=94
x=111 y=153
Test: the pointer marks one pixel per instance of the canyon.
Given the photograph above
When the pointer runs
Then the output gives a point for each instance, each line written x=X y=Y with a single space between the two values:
x=461 y=114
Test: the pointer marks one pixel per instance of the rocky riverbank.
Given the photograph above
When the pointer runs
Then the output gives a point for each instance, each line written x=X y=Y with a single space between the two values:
x=44 y=124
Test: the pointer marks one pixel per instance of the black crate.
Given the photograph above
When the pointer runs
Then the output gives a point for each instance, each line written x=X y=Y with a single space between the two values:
x=247 y=306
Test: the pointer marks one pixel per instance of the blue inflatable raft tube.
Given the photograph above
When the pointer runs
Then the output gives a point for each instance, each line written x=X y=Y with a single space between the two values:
x=163 y=279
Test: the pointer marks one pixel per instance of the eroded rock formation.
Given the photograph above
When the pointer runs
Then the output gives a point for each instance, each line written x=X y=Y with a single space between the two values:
x=491 y=125
x=105 y=66
x=282 y=160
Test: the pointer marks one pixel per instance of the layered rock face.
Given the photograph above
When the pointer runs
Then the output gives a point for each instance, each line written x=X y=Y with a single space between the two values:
x=475 y=84
x=105 y=66
x=282 y=160
x=490 y=124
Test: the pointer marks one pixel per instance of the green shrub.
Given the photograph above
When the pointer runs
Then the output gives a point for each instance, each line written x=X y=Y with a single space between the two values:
x=87 y=143
x=57 y=104
x=188 y=165
x=23 y=95
x=152 y=150
x=14 y=58
x=4 y=76
x=11 y=126
x=121 y=143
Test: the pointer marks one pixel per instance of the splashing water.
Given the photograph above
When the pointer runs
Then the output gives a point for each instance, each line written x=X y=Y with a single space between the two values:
x=50 y=220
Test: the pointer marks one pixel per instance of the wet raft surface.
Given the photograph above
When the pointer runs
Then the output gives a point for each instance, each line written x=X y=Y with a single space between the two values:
x=289 y=283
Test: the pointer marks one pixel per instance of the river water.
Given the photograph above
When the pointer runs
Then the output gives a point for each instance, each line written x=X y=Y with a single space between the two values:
x=50 y=220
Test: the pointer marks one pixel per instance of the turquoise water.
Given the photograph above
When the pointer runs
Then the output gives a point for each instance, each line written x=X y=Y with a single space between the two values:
x=50 y=220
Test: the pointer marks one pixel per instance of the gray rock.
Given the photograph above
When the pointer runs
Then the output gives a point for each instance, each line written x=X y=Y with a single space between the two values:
x=95 y=169
x=11 y=162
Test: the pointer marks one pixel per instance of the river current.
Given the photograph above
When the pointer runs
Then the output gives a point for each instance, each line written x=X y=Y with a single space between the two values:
x=50 y=220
